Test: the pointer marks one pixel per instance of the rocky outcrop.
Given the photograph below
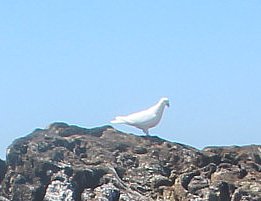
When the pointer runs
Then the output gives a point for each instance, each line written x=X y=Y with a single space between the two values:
x=71 y=163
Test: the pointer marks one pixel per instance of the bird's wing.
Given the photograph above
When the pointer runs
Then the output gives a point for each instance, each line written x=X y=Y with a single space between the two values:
x=139 y=117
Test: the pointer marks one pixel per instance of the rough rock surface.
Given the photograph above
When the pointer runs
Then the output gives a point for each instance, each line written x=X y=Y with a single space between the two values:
x=69 y=163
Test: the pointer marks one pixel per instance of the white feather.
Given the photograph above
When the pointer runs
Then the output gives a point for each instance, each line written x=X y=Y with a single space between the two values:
x=145 y=119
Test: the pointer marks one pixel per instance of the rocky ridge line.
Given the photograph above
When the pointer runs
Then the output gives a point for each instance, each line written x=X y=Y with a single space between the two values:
x=71 y=163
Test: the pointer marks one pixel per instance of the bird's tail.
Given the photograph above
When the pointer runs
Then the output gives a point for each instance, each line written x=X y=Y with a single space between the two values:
x=118 y=120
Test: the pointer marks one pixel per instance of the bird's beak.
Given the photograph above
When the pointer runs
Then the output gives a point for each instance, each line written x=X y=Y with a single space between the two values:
x=168 y=104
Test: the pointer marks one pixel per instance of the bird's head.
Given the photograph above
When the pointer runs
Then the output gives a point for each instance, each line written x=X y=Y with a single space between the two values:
x=165 y=101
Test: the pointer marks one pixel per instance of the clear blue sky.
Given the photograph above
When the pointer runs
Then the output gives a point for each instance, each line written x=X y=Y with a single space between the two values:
x=84 y=62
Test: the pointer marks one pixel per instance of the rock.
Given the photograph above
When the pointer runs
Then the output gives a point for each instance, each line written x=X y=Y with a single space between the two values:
x=224 y=191
x=3 y=199
x=159 y=180
x=197 y=183
x=71 y=163
x=59 y=191
x=106 y=192
x=2 y=170
x=140 y=150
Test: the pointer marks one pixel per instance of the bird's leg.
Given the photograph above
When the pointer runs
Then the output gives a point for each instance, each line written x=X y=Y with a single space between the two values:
x=146 y=131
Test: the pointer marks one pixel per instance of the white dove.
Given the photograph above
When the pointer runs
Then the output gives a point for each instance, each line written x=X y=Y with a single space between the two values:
x=145 y=119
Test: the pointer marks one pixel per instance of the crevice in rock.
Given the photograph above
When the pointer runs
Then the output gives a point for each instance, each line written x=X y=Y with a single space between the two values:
x=87 y=179
x=186 y=178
